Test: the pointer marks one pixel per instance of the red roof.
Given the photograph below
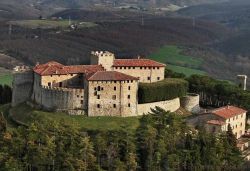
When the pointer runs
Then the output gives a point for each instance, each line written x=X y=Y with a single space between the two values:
x=137 y=63
x=55 y=68
x=110 y=76
x=216 y=122
x=228 y=111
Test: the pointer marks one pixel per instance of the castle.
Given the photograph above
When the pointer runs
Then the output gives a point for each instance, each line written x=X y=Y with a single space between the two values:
x=107 y=86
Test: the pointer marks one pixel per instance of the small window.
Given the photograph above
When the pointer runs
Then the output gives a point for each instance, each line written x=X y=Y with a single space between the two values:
x=140 y=67
x=98 y=106
x=133 y=67
x=114 y=81
x=81 y=101
x=98 y=96
x=128 y=96
x=129 y=87
x=158 y=67
x=125 y=67
x=129 y=105
x=120 y=67
x=77 y=96
x=95 y=89
x=158 y=78
x=51 y=75
x=81 y=96
x=148 y=78
x=60 y=84
x=131 y=81
x=114 y=88
x=153 y=67
x=114 y=105
x=49 y=84
x=145 y=67
x=116 y=67
x=129 y=67
x=128 y=81
x=71 y=74
x=102 y=88
x=98 y=88
x=241 y=124
x=114 y=97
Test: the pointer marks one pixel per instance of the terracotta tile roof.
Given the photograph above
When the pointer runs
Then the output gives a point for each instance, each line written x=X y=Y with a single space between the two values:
x=55 y=68
x=228 y=111
x=137 y=63
x=110 y=76
x=216 y=122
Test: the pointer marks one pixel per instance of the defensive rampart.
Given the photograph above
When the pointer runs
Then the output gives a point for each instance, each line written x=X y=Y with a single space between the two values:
x=168 y=105
x=22 y=87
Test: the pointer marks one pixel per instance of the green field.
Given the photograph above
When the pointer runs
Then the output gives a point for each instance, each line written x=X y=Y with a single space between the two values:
x=26 y=115
x=45 y=24
x=6 y=79
x=171 y=55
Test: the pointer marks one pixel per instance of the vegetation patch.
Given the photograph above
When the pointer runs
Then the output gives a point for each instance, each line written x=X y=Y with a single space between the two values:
x=6 y=79
x=167 y=89
x=48 y=24
x=26 y=114
x=172 y=55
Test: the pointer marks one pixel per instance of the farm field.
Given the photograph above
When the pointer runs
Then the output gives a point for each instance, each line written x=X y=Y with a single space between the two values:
x=6 y=79
x=26 y=115
x=171 y=55
x=48 y=24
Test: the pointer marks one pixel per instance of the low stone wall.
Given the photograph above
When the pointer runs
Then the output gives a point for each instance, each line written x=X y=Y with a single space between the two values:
x=168 y=105
x=190 y=102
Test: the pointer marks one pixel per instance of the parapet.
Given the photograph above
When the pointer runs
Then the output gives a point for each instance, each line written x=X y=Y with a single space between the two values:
x=102 y=53
x=63 y=89
x=190 y=102
x=22 y=68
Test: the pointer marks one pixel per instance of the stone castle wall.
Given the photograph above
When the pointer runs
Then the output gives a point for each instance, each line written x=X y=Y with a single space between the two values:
x=145 y=74
x=60 y=99
x=190 y=102
x=168 y=105
x=112 y=98
x=22 y=87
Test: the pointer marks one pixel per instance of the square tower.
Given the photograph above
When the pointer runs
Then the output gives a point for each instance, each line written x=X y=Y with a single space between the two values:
x=104 y=58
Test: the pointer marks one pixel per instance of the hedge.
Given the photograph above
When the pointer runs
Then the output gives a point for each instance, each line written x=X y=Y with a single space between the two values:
x=167 y=89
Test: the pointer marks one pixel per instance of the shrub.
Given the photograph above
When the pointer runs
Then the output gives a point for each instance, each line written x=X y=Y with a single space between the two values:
x=167 y=89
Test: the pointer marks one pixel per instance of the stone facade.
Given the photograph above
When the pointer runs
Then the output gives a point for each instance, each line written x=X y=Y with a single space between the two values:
x=190 y=102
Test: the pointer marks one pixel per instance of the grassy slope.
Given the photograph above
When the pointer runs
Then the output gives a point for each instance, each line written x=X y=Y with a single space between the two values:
x=178 y=62
x=6 y=79
x=25 y=114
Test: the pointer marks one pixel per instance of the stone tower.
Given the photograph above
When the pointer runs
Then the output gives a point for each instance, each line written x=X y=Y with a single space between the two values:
x=104 y=58
x=242 y=79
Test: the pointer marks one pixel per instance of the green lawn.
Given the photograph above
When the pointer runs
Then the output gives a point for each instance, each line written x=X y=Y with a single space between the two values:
x=6 y=79
x=50 y=23
x=25 y=114
x=171 y=55
x=187 y=71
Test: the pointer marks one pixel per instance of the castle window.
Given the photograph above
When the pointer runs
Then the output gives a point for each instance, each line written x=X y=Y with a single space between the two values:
x=145 y=67
x=129 y=105
x=114 y=105
x=131 y=81
x=98 y=88
x=77 y=96
x=153 y=67
x=120 y=67
x=60 y=84
x=148 y=78
x=81 y=101
x=133 y=67
x=114 y=81
x=128 y=96
x=128 y=81
x=51 y=75
x=95 y=89
x=129 y=67
x=114 y=97
x=158 y=78
x=158 y=67
x=98 y=96
x=81 y=96
x=116 y=67
x=98 y=106
x=140 y=67
x=49 y=84
x=71 y=74
x=125 y=67
x=114 y=88
x=128 y=87
x=102 y=88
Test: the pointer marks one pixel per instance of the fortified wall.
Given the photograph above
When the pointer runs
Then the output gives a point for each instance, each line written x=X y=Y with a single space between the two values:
x=61 y=99
x=22 y=87
x=168 y=105
x=190 y=102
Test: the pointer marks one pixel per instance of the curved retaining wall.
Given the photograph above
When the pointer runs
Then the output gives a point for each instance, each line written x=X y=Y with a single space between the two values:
x=168 y=105
x=190 y=102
